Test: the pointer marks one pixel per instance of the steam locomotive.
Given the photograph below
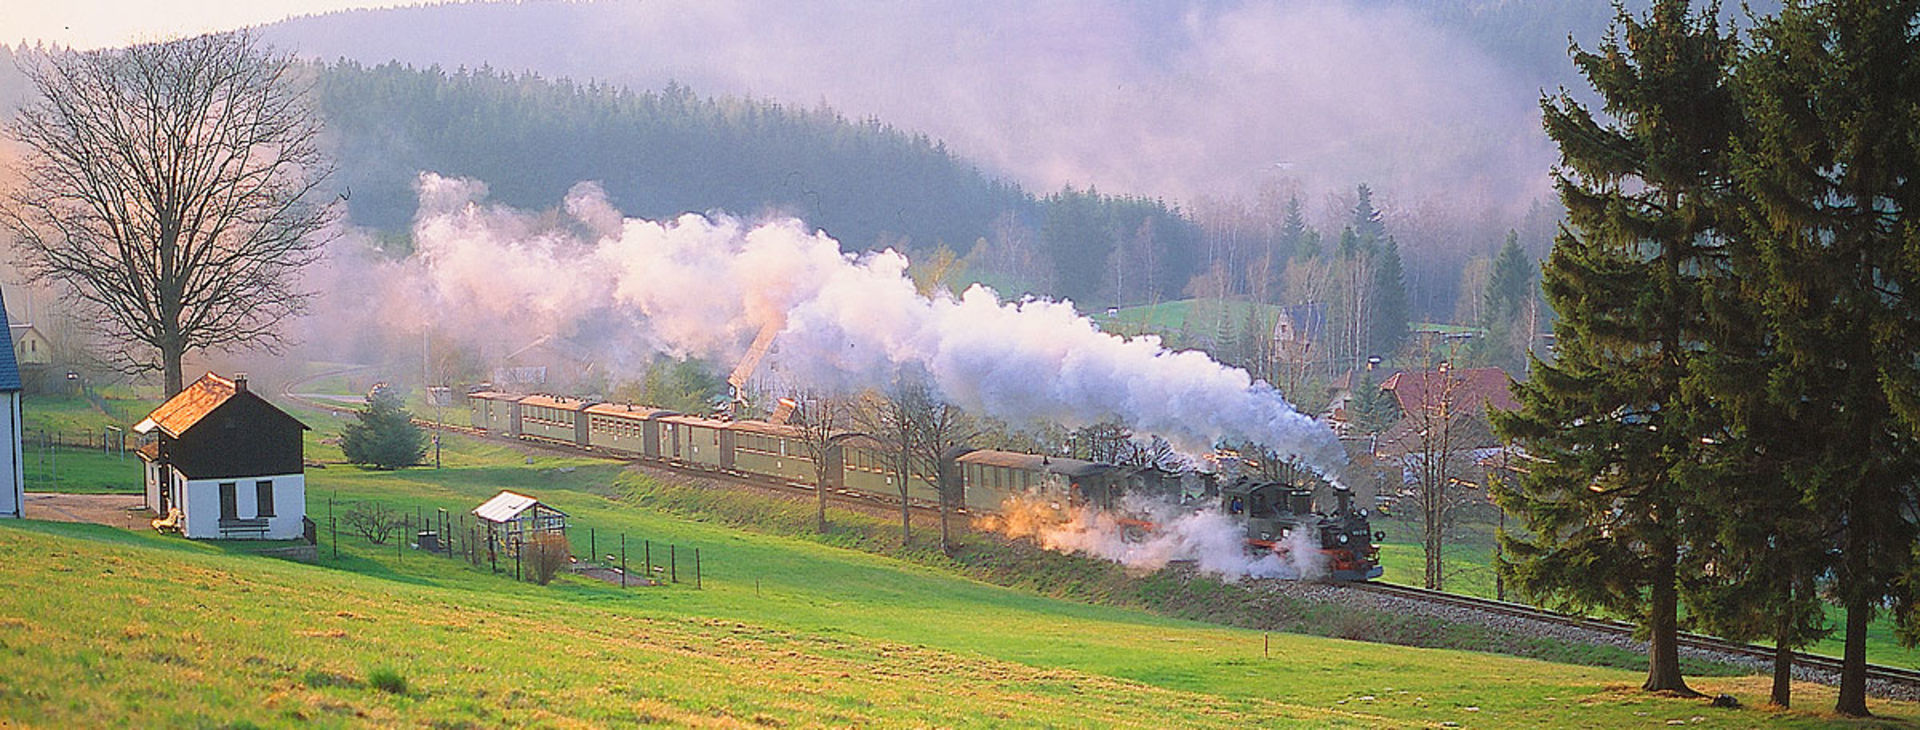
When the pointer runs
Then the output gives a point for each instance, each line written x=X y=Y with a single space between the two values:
x=985 y=479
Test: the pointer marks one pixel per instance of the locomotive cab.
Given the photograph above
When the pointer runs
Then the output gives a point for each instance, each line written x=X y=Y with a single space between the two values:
x=1271 y=509
x=1274 y=510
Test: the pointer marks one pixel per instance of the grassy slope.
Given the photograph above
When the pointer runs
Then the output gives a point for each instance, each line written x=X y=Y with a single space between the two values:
x=781 y=620
x=786 y=631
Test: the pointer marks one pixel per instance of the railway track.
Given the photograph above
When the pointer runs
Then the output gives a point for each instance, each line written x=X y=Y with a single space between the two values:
x=1898 y=676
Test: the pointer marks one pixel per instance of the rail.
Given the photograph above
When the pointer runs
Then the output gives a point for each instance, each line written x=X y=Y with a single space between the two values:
x=1881 y=672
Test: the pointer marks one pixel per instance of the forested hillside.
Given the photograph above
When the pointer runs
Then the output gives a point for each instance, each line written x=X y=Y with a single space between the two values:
x=662 y=153
x=657 y=153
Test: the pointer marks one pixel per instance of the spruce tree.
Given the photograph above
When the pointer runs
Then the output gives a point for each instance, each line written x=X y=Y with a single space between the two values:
x=1505 y=306
x=1387 y=327
x=1296 y=238
x=1830 y=89
x=1511 y=283
x=383 y=435
x=1367 y=221
x=1606 y=500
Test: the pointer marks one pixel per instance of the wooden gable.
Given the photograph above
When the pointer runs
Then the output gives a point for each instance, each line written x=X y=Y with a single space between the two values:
x=217 y=429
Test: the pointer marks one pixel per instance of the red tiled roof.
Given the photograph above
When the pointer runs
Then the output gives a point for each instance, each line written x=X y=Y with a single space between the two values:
x=1470 y=387
x=191 y=404
x=188 y=406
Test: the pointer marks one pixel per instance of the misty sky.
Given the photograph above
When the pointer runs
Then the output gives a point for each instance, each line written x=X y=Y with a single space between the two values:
x=1176 y=99
x=90 y=24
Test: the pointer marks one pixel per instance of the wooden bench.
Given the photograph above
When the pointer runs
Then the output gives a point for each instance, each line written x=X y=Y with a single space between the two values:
x=256 y=527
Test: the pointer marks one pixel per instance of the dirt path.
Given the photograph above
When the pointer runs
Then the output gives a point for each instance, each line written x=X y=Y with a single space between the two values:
x=117 y=510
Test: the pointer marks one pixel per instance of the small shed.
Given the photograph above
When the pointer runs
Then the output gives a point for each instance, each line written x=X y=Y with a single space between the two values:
x=512 y=520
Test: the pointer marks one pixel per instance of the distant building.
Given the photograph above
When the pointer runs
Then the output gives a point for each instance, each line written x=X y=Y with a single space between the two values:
x=222 y=462
x=1461 y=396
x=12 y=479
x=1296 y=329
x=33 y=354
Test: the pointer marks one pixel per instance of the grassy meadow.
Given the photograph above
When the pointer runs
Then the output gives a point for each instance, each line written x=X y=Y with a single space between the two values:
x=104 y=627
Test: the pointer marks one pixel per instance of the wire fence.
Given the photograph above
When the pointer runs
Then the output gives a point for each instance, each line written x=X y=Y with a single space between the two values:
x=535 y=556
x=109 y=440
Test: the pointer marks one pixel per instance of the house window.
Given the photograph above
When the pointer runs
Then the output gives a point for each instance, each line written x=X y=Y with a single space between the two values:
x=229 y=503
x=263 y=496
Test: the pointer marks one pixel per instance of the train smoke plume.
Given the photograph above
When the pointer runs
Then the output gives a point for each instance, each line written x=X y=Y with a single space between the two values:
x=702 y=287
x=1212 y=541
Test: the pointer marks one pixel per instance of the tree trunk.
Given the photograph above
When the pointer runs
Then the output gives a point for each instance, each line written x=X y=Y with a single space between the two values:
x=1853 y=668
x=1782 y=670
x=170 y=357
x=906 y=517
x=1663 y=624
x=820 y=503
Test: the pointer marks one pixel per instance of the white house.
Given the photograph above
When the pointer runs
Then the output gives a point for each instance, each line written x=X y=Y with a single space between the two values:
x=222 y=462
x=12 y=480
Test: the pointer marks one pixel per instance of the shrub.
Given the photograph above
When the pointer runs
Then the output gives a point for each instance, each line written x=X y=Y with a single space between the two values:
x=547 y=553
x=384 y=437
x=373 y=521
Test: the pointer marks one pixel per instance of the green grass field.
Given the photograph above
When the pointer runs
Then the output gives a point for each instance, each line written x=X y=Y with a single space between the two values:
x=102 y=627
x=1190 y=316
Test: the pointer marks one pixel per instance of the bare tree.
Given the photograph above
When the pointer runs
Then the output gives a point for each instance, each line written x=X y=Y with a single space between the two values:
x=171 y=187
x=888 y=418
x=376 y=522
x=938 y=429
x=1445 y=426
x=822 y=421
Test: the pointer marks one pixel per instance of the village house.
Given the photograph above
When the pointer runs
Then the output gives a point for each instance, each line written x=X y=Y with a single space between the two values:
x=222 y=462
x=12 y=476
x=32 y=354
x=1445 y=410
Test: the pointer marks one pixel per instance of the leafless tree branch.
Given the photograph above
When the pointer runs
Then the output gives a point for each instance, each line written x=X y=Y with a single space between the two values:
x=174 y=188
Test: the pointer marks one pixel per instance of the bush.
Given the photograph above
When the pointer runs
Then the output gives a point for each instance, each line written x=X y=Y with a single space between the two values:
x=547 y=553
x=373 y=521
x=384 y=437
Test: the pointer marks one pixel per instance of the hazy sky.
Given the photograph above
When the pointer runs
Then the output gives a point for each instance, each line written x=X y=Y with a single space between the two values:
x=89 y=24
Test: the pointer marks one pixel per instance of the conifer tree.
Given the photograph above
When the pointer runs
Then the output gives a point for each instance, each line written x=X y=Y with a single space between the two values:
x=1387 y=327
x=1605 y=497
x=1367 y=222
x=1511 y=283
x=1830 y=88
x=1505 y=307
x=383 y=435
x=1296 y=238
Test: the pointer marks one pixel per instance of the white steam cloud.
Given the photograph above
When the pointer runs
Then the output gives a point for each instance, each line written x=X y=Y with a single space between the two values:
x=1212 y=541
x=703 y=287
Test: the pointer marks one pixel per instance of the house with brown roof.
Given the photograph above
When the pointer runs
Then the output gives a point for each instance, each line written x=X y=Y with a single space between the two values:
x=222 y=462
x=1444 y=410
x=1460 y=396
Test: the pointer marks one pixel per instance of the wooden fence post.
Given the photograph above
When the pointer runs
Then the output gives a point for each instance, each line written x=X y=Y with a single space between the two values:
x=696 y=569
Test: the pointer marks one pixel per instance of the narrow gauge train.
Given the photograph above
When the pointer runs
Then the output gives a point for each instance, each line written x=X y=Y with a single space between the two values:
x=985 y=478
